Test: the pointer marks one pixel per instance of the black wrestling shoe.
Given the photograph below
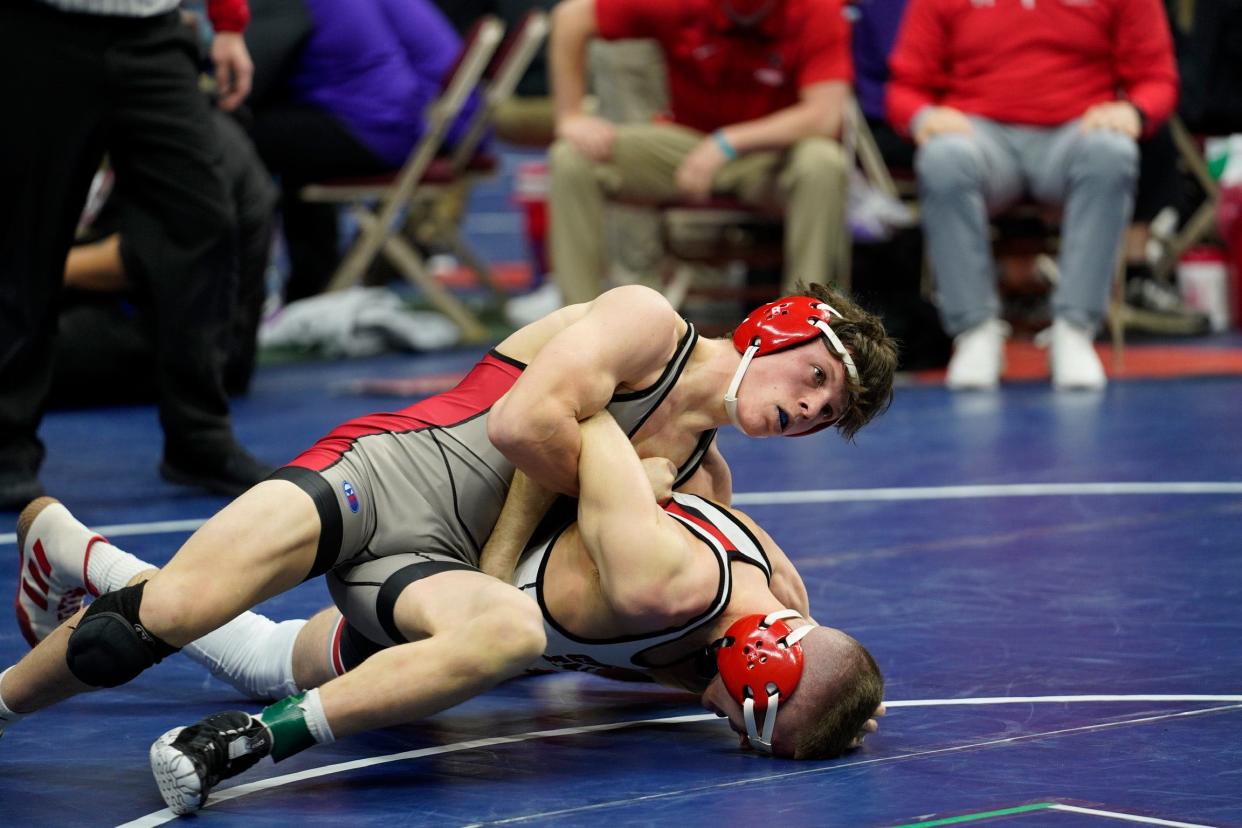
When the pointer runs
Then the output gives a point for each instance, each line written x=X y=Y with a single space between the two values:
x=189 y=761
x=229 y=470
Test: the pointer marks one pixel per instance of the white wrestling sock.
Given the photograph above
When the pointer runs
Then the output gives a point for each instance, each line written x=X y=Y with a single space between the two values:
x=109 y=569
x=316 y=719
x=10 y=717
x=252 y=653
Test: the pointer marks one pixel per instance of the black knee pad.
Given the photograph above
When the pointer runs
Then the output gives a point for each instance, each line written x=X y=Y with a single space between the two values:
x=110 y=646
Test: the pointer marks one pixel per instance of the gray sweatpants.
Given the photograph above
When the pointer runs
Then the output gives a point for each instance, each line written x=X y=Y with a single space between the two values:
x=963 y=179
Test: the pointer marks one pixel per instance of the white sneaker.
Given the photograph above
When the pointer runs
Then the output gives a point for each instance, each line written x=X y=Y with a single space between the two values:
x=522 y=310
x=1072 y=358
x=978 y=357
x=51 y=583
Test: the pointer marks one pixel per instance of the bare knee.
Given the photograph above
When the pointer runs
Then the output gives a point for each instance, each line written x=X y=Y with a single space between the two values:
x=512 y=630
x=168 y=609
x=260 y=545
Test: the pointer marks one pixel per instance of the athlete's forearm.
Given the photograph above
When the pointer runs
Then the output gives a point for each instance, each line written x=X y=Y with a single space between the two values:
x=820 y=112
x=634 y=545
x=624 y=340
x=543 y=443
x=524 y=507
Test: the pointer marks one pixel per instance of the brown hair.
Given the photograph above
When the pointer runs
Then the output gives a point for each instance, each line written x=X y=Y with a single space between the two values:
x=874 y=353
x=856 y=695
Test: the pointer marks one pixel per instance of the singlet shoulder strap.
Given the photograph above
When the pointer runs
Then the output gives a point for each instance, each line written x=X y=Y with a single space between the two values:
x=734 y=535
x=632 y=408
x=695 y=460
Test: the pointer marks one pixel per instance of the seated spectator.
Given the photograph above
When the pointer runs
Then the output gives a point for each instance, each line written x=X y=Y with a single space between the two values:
x=1151 y=305
x=1092 y=78
x=345 y=96
x=757 y=91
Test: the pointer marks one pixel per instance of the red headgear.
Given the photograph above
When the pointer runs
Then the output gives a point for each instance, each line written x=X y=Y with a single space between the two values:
x=760 y=662
x=785 y=323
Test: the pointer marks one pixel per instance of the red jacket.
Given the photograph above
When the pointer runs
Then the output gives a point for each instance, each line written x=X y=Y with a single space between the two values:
x=228 y=15
x=1032 y=62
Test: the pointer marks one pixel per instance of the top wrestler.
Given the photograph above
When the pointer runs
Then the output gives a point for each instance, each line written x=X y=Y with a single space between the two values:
x=432 y=478
x=673 y=588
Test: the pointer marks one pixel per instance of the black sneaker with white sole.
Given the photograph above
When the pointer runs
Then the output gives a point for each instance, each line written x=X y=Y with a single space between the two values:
x=188 y=762
x=1155 y=307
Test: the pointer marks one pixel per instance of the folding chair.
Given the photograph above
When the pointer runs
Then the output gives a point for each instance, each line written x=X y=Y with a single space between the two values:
x=378 y=202
x=1202 y=221
x=456 y=173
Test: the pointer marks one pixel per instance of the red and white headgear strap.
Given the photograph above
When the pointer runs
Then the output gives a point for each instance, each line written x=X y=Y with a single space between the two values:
x=785 y=323
x=760 y=662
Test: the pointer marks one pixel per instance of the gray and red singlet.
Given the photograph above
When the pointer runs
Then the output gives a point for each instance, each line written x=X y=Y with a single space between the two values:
x=426 y=479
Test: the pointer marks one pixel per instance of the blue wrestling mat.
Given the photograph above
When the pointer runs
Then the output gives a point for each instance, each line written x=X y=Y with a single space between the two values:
x=1052 y=584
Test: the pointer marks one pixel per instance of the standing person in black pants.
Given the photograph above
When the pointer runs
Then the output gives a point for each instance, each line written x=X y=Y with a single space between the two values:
x=81 y=78
x=105 y=349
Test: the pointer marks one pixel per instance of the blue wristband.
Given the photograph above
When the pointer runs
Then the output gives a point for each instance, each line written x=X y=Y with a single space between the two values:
x=721 y=141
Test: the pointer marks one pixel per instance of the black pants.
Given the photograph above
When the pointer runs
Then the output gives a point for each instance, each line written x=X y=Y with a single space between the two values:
x=74 y=87
x=301 y=144
x=105 y=343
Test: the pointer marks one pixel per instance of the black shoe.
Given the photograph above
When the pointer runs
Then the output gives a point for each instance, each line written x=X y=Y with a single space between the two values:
x=1154 y=307
x=189 y=761
x=17 y=489
x=229 y=471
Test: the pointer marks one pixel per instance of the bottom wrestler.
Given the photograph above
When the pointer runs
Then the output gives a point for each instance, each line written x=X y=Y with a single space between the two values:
x=673 y=588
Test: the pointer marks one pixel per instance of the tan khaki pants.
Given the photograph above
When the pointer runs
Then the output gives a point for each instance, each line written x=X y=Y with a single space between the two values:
x=809 y=181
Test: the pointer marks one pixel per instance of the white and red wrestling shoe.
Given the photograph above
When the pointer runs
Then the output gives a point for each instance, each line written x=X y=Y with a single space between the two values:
x=51 y=584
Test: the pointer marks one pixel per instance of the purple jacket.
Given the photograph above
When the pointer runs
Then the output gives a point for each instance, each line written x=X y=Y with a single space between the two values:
x=874 y=33
x=375 y=65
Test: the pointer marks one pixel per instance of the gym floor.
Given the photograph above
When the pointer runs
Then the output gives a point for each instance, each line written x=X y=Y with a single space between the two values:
x=1051 y=583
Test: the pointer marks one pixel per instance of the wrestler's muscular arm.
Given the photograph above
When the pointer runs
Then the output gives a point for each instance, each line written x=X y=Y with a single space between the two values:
x=625 y=338
x=786 y=584
x=647 y=571
x=525 y=505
